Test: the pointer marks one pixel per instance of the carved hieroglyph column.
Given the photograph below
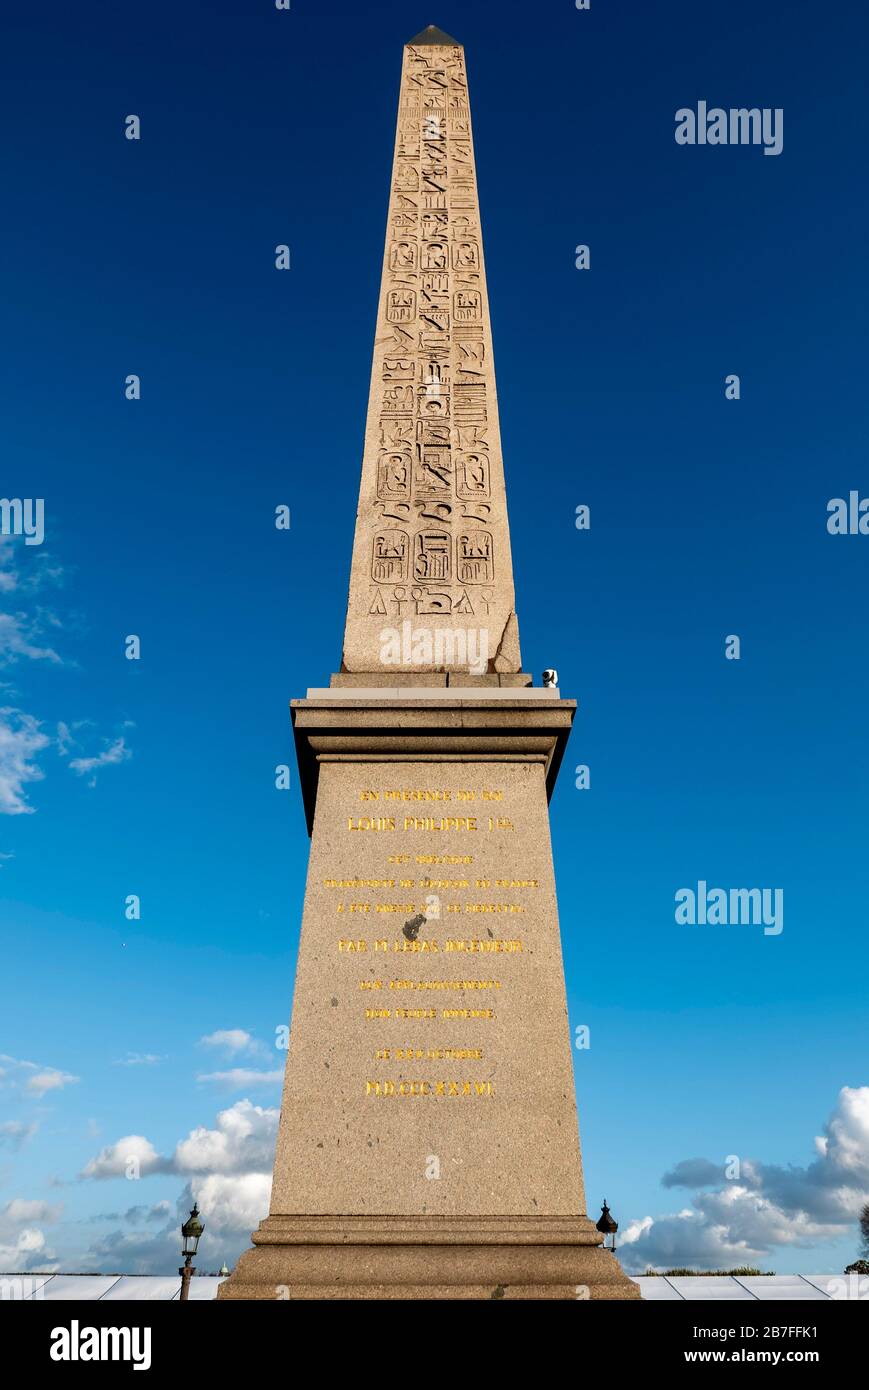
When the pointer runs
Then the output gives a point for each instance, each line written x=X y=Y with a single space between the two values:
x=432 y=540
x=428 y=1143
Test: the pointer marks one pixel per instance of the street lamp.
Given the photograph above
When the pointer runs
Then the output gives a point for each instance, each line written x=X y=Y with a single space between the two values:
x=608 y=1226
x=190 y=1232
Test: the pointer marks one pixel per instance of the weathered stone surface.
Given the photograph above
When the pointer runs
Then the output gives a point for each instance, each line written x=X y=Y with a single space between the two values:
x=504 y=1217
x=503 y=1144
x=432 y=543
x=537 y=1257
x=507 y=656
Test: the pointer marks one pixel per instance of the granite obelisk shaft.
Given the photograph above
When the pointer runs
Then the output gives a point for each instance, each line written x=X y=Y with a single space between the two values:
x=432 y=541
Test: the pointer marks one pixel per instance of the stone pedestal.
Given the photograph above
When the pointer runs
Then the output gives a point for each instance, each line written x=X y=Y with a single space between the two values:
x=391 y=1257
x=428 y=1142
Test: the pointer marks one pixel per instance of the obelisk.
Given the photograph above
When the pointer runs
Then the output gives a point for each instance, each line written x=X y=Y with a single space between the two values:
x=432 y=540
x=428 y=1143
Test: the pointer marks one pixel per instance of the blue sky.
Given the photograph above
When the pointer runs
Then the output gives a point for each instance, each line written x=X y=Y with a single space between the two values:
x=156 y=777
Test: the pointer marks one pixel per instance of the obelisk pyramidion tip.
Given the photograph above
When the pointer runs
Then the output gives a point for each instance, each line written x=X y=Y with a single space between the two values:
x=433 y=35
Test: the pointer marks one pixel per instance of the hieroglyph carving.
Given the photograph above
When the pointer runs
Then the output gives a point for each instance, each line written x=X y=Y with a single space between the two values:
x=431 y=534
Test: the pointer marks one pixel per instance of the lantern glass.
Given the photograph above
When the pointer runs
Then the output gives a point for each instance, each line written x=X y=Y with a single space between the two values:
x=191 y=1231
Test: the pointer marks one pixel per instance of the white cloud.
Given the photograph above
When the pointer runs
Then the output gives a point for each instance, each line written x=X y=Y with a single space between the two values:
x=141 y=1213
x=22 y=639
x=234 y=1204
x=8 y=574
x=234 y=1041
x=49 y=1080
x=229 y=1172
x=18 y=640
x=35 y=1078
x=25 y=569
x=232 y=1207
x=159 y=1211
x=694 y=1172
x=743 y=1221
x=243 y=1141
x=26 y=1250
x=15 y=1133
x=20 y=1211
x=22 y=1243
x=132 y=1155
x=21 y=738
x=140 y=1059
x=137 y=1251
x=241 y=1078
x=114 y=752
x=69 y=735
x=846 y=1143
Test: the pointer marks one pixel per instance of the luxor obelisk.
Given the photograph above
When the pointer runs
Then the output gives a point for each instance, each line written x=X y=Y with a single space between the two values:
x=428 y=1143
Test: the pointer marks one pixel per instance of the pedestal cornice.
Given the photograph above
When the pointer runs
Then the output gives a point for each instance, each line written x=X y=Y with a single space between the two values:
x=441 y=725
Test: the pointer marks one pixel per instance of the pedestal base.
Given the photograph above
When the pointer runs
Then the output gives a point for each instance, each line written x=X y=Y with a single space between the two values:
x=424 y=1257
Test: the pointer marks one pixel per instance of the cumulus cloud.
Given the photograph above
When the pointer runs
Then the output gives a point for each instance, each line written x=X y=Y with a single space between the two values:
x=132 y=1156
x=765 y=1206
x=158 y=1212
x=228 y=1170
x=26 y=1251
x=243 y=1140
x=232 y=1208
x=136 y=1251
x=22 y=1243
x=235 y=1205
x=234 y=1042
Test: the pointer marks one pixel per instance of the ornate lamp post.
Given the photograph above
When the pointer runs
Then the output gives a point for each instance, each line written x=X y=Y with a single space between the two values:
x=608 y=1226
x=190 y=1232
